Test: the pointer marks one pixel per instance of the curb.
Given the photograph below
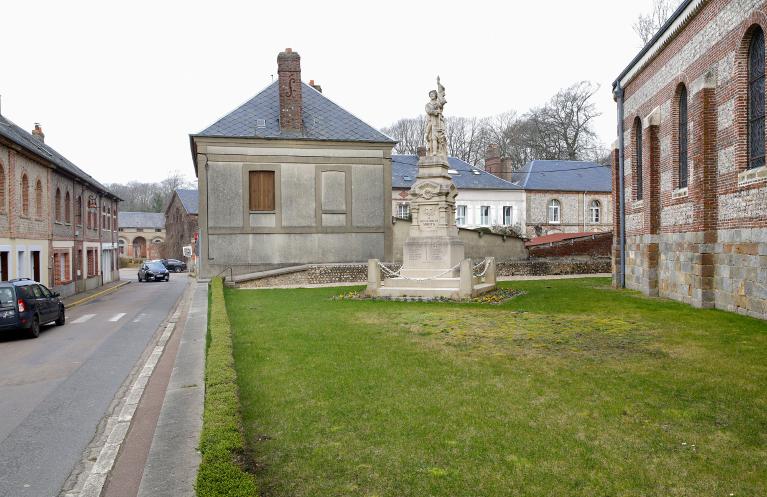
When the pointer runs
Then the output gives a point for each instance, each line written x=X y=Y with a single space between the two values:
x=87 y=299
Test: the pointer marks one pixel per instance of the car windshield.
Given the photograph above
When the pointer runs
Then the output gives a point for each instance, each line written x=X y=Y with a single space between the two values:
x=155 y=266
x=6 y=296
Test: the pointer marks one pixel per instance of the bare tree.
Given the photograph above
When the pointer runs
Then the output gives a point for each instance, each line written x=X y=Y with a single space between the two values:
x=647 y=25
x=465 y=139
x=565 y=123
x=149 y=197
x=409 y=134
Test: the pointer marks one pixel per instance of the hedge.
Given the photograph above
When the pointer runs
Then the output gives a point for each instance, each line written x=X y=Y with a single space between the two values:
x=222 y=443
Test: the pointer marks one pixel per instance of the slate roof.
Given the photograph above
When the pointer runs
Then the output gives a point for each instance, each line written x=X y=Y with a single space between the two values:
x=323 y=119
x=404 y=169
x=140 y=219
x=564 y=175
x=26 y=140
x=190 y=199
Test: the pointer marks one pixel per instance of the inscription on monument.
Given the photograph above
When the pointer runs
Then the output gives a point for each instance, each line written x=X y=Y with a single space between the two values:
x=415 y=253
x=428 y=218
x=436 y=252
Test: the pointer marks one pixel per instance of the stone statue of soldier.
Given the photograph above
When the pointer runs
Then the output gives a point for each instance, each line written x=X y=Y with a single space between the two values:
x=436 y=140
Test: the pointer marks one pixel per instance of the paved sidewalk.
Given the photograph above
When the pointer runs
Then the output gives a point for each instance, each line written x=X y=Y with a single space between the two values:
x=171 y=466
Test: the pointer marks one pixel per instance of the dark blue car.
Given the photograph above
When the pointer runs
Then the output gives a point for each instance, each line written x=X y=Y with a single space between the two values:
x=153 y=271
x=27 y=305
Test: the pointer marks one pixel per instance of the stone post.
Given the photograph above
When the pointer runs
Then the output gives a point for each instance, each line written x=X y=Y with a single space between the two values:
x=467 y=279
x=374 y=277
x=490 y=273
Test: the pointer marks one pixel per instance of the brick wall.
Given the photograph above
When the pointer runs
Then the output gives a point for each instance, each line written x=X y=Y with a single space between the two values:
x=597 y=245
x=704 y=244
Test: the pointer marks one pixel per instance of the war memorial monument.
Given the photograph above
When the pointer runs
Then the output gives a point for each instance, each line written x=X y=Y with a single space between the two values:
x=433 y=256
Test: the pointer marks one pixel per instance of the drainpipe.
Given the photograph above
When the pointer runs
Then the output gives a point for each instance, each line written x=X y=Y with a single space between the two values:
x=618 y=95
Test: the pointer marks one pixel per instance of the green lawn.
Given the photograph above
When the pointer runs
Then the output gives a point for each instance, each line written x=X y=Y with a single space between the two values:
x=573 y=389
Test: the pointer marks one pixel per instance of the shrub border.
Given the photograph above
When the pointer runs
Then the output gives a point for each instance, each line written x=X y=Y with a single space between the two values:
x=222 y=444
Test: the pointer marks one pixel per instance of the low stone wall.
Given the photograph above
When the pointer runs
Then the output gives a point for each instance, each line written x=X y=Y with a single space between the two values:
x=324 y=274
x=554 y=266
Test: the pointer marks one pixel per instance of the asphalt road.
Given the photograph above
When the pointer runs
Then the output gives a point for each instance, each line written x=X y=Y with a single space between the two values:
x=54 y=390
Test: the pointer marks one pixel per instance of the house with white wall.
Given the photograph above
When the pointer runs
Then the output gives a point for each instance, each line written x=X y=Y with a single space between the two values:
x=484 y=200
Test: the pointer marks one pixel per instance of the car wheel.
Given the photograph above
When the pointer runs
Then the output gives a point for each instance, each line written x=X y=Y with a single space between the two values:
x=167 y=278
x=139 y=278
x=34 y=330
x=177 y=270
x=62 y=317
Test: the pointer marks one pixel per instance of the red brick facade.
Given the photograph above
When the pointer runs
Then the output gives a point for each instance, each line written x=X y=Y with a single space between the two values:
x=703 y=244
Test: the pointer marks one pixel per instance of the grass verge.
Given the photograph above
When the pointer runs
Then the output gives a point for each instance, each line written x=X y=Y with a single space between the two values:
x=221 y=471
x=572 y=389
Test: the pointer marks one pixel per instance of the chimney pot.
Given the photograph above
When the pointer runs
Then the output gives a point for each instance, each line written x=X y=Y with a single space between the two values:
x=38 y=133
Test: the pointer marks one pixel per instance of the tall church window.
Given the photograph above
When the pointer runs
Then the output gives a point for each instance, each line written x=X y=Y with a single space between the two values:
x=638 y=156
x=683 y=137
x=756 y=100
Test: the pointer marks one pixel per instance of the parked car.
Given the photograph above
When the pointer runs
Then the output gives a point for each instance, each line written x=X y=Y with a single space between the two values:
x=153 y=271
x=174 y=265
x=26 y=304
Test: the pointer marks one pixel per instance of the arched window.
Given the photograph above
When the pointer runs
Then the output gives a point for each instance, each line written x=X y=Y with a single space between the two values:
x=595 y=211
x=638 y=156
x=756 y=100
x=67 y=208
x=57 y=201
x=79 y=211
x=121 y=246
x=682 y=137
x=39 y=199
x=554 y=211
x=24 y=195
x=2 y=188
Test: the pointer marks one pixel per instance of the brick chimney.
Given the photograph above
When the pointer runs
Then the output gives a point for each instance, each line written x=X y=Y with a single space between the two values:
x=493 y=159
x=38 y=133
x=315 y=86
x=507 y=169
x=289 y=72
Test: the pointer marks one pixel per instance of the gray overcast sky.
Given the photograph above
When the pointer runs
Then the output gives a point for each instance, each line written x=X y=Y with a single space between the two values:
x=118 y=87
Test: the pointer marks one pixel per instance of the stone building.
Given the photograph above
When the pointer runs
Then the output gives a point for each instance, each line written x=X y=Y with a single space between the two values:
x=484 y=200
x=691 y=148
x=289 y=178
x=181 y=221
x=58 y=225
x=565 y=196
x=141 y=235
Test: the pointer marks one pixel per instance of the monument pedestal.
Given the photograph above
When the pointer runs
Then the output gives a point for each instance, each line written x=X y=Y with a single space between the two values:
x=433 y=256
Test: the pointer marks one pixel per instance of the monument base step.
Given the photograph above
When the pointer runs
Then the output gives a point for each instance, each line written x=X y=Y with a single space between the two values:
x=431 y=283
x=432 y=292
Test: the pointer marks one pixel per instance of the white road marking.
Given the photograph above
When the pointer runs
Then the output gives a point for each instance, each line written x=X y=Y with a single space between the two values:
x=83 y=318
x=139 y=317
x=117 y=317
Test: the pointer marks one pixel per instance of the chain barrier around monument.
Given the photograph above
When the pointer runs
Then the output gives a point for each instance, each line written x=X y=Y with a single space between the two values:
x=433 y=263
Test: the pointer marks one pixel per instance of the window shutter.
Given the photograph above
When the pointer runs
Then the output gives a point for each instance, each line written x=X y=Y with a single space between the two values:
x=261 y=190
